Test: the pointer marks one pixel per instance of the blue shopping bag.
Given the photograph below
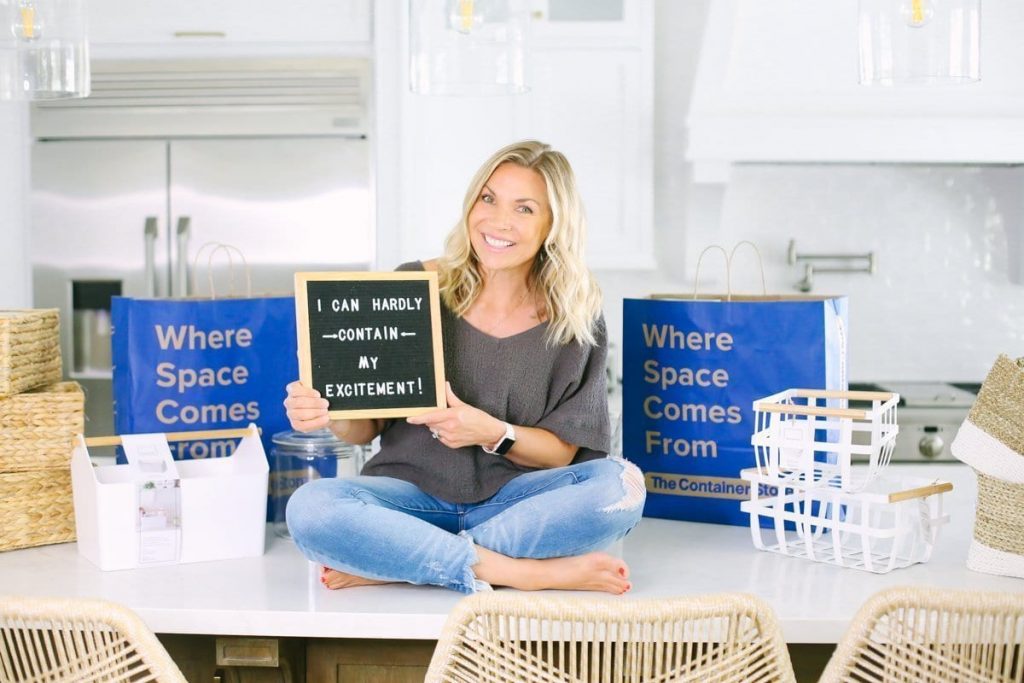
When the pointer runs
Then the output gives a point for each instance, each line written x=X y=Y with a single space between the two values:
x=195 y=364
x=692 y=369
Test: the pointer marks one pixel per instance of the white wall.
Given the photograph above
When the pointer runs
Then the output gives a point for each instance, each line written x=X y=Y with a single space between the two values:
x=677 y=201
x=15 y=275
x=948 y=295
x=941 y=304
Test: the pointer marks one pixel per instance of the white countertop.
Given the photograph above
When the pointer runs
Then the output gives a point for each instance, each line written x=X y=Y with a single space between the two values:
x=279 y=594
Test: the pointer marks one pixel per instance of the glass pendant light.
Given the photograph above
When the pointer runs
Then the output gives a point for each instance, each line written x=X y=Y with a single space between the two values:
x=44 y=53
x=919 y=41
x=468 y=47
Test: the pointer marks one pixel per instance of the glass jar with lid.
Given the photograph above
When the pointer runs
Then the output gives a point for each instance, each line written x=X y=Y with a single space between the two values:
x=299 y=457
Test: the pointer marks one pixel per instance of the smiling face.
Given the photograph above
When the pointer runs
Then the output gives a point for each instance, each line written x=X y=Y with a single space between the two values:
x=510 y=219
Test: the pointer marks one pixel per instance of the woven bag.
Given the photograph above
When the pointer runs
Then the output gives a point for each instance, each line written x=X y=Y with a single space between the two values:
x=29 y=349
x=37 y=430
x=991 y=440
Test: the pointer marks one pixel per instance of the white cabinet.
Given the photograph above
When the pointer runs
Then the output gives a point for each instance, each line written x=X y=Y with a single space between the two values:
x=590 y=104
x=591 y=98
x=600 y=22
x=197 y=27
x=778 y=82
x=15 y=278
x=442 y=141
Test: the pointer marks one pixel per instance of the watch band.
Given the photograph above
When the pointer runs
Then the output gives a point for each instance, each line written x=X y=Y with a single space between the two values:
x=505 y=443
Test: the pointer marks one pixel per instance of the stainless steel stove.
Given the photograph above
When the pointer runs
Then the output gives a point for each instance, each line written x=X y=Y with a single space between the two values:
x=929 y=414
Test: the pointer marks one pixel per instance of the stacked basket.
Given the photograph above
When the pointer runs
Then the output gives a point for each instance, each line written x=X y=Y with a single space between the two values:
x=817 y=503
x=991 y=440
x=39 y=417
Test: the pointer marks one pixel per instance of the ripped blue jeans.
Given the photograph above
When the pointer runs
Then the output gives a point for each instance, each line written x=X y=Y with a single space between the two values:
x=388 y=529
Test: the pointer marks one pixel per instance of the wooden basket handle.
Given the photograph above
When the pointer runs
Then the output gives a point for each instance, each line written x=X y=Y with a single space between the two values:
x=821 y=411
x=180 y=436
x=854 y=395
x=920 y=491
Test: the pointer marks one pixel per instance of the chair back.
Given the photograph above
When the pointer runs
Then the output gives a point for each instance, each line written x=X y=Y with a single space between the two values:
x=56 y=640
x=928 y=635
x=524 y=637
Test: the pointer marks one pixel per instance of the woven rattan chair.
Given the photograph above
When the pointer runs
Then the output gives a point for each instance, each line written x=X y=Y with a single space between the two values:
x=933 y=636
x=53 y=640
x=524 y=637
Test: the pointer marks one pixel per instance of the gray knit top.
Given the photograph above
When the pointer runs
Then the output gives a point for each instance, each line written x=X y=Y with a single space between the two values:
x=519 y=379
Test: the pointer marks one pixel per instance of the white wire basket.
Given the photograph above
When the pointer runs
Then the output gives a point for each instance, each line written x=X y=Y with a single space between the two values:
x=893 y=523
x=813 y=436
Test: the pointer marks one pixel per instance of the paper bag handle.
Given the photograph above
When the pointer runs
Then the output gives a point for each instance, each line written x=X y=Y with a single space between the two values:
x=760 y=263
x=696 y=275
x=728 y=267
x=228 y=249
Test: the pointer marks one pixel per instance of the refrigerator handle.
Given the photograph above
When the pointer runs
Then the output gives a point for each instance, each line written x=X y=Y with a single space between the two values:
x=181 y=280
x=150 y=235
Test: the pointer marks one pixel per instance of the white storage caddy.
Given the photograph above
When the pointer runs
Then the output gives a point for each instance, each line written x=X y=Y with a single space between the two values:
x=223 y=503
x=821 y=506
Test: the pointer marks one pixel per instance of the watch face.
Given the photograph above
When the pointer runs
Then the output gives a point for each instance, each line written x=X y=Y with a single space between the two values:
x=505 y=446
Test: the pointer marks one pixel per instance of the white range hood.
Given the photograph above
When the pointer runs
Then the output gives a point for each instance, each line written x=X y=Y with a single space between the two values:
x=777 y=83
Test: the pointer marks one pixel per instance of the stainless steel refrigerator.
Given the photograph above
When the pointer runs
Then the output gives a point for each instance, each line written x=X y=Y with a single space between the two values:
x=127 y=190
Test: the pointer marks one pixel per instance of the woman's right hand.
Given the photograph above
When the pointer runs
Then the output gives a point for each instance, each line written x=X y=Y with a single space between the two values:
x=306 y=411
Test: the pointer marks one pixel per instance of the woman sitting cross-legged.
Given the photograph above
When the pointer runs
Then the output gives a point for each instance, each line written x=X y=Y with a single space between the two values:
x=510 y=485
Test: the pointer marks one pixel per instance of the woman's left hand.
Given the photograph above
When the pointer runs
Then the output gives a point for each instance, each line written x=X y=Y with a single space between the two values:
x=460 y=424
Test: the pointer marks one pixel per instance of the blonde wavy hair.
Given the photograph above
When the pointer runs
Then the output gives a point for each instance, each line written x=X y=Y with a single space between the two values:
x=571 y=296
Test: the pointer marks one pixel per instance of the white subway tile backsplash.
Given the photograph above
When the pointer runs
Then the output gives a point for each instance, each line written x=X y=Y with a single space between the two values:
x=947 y=296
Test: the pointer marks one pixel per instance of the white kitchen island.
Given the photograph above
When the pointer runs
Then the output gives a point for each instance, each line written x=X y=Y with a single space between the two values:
x=279 y=594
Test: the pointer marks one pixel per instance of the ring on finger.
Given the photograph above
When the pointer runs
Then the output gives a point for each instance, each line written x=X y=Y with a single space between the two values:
x=433 y=433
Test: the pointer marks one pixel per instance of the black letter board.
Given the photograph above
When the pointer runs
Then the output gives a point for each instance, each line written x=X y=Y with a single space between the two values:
x=370 y=343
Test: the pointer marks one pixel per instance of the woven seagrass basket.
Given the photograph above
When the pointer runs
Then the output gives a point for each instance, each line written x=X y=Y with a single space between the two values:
x=991 y=440
x=38 y=427
x=37 y=430
x=36 y=508
x=29 y=349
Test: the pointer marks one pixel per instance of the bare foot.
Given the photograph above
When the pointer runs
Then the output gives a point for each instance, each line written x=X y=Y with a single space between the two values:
x=590 y=572
x=333 y=579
